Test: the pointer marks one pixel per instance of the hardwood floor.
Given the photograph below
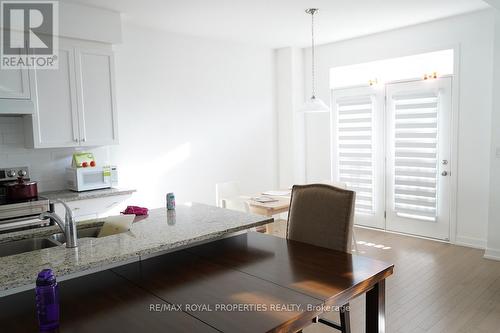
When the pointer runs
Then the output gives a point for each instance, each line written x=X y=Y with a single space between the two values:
x=436 y=287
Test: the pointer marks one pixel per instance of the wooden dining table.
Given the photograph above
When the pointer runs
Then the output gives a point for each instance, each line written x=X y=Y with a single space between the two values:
x=250 y=282
x=279 y=205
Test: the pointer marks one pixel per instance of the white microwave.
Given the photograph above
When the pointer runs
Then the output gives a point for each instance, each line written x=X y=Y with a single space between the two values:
x=91 y=178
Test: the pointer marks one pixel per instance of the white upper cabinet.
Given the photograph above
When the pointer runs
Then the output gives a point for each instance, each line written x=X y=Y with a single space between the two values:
x=96 y=100
x=75 y=104
x=15 y=94
x=14 y=84
x=55 y=124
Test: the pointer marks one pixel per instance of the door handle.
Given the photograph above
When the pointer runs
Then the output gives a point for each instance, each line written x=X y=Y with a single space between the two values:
x=444 y=173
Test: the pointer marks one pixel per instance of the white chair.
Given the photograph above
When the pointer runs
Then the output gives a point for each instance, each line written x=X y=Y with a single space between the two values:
x=228 y=195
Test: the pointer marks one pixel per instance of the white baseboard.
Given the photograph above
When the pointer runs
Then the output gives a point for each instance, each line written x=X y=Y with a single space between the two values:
x=476 y=243
x=493 y=254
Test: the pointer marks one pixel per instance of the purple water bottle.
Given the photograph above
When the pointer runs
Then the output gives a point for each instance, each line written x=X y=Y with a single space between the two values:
x=47 y=301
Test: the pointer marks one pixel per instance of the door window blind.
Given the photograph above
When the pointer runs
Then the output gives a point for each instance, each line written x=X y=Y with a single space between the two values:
x=415 y=156
x=355 y=149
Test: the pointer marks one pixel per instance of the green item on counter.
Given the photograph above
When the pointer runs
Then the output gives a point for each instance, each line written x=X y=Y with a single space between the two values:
x=106 y=171
x=80 y=158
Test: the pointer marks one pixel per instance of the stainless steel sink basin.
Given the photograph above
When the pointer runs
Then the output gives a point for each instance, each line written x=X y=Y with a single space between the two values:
x=81 y=233
x=33 y=244
x=25 y=245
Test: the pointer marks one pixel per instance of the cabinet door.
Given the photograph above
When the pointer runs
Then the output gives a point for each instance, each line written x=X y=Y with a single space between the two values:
x=96 y=97
x=14 y=84
x=56 y=120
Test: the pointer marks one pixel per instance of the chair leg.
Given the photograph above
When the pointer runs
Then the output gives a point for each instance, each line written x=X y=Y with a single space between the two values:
x=345 y=319
x=354 y=241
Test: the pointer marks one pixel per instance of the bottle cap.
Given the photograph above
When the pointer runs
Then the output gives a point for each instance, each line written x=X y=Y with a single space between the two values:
x=45 y=278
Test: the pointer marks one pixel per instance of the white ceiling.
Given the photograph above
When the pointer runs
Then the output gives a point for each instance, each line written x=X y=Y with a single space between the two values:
x=279 y=23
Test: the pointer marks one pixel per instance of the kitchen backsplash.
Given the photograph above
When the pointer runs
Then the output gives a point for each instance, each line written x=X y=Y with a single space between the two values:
x=47 y=166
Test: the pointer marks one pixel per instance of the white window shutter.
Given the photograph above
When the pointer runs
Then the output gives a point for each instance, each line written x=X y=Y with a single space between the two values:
x=415 y=156
x=355 y=149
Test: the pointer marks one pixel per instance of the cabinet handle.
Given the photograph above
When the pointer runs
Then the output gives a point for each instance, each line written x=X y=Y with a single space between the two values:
x=84 y=127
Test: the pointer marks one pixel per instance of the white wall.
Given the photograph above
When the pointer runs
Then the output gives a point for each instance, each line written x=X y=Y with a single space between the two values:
x=289 y=87
x=74 y=21
x=193 y=112
x=473 y=33
x=493 y=246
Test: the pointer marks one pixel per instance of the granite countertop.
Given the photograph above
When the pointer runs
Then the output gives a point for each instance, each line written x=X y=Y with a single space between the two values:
x=67 y=195
x=161 y=232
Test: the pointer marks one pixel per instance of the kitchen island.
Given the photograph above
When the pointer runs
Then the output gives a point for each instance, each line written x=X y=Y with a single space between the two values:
x=160 y=232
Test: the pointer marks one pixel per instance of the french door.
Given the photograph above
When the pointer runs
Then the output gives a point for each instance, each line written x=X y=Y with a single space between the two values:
x=358 y=144
x=418 y=157
x=392 y=146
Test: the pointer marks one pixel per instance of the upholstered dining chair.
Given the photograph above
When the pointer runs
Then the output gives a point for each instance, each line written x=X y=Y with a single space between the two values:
x=342 y=185
x=322 y=215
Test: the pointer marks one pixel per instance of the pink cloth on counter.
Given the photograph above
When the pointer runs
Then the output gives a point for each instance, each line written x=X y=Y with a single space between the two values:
x=135 y=210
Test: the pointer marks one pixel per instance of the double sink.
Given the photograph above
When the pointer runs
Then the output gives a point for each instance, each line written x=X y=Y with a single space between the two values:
x=38 y=243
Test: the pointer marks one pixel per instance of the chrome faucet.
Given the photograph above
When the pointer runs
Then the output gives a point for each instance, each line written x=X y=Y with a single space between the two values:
x=68 y=226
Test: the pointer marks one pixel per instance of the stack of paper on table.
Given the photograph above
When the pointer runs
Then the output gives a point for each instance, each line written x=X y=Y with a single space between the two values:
x=264 y=199
x=277 y=193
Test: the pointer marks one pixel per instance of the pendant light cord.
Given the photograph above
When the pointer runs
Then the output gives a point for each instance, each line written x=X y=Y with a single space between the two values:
x=313 y=104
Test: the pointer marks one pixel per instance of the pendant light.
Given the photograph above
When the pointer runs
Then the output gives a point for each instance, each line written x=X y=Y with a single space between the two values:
x=313 y=104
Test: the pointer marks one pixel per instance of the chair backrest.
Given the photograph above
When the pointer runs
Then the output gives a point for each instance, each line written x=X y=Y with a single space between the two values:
x=321 y=215
x=334 y=183
x=227 y=195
